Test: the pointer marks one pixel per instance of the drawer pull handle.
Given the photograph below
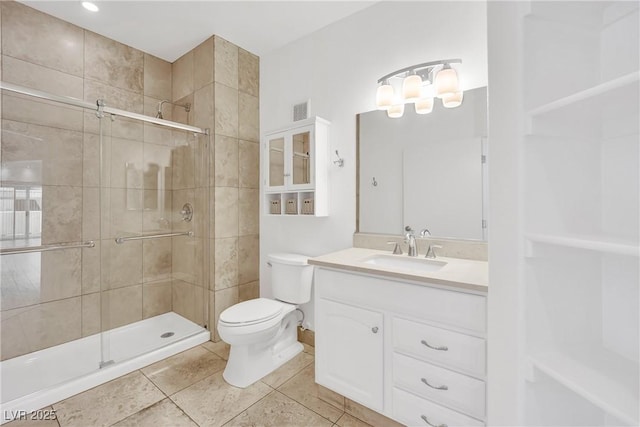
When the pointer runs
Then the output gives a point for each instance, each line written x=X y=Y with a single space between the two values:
x=374 y=329
x=424 y=418
x=440 y=387
x=441 y=348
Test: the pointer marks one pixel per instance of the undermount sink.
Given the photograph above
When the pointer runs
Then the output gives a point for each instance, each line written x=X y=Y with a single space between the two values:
x=400 y=262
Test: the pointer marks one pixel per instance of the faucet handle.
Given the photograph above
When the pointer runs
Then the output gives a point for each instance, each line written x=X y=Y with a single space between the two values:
x=425 y=232
x=431 y=251
x=397 y=250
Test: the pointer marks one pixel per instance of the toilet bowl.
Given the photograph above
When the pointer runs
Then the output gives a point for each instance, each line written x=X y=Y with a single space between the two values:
x=262 y=332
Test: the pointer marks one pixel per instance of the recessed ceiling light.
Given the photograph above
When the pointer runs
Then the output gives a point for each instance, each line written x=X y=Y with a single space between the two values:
x=90 y=6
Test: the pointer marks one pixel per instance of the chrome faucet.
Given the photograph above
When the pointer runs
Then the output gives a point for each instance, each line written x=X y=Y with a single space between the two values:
x=431 y=252
x=410 y=238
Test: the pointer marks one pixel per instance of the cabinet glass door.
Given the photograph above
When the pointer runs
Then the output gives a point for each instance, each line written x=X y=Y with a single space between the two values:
x=301 y=162
x=276 y=162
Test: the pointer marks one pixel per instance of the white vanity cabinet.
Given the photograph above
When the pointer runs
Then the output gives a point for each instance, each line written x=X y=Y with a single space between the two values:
x=296 y=168
x=414 y=352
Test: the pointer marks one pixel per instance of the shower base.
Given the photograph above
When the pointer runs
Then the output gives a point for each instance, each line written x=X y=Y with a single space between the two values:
x=41 y=378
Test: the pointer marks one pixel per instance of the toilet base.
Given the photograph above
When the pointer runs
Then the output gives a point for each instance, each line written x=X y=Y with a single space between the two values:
x=249 y=363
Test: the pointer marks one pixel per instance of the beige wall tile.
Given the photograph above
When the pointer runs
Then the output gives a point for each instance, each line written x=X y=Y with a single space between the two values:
x=248 y=73
x=113 y=63
x=226 y=161
x=212 y=317
x=156 y=260
x=182 y=165
x=42 y=78
x=226 y=212
x=22 y=109
x=203 y=107
x=223 y=299
x=61 y=214
x=129 y=394
x=127 y=164
x=157 y=215
x=226 y=62
x=27 y=35
x=248 y=117
x=90 y=314
x=187 y=301
x=182 y=76
x=186 y=253
x=249 y=222
x=121 y=306
x=157 y=169
x=183 y=369
x=180 y=114
x=163 y=413
x=308 y=337
x=125 y=212
x=91 y=268
x=226 y=110
x=61 y=275
x=249 y=291
x=156 y=298
x=91 y=160
x=90 y=213
x=203 y=64
x=248 y=258
x=40 y=154
x=117 y=98
x=121 y=263
x=249 y=159
x=40 y=326
x=226 y=263
x=157 y=77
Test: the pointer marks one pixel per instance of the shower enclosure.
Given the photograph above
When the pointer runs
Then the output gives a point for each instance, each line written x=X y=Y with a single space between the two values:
x=104 y=244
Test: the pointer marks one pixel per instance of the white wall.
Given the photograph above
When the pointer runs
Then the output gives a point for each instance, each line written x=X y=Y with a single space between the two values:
x=337 y=68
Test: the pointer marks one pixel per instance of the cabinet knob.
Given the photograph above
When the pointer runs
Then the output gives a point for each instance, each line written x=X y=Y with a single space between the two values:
x=374 y=329
x=424 y=418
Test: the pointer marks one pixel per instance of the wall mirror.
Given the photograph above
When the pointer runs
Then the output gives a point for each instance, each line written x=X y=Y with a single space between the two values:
x=425 y=171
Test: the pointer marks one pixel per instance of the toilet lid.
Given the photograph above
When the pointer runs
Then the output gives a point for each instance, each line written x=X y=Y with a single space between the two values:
x=252 y=311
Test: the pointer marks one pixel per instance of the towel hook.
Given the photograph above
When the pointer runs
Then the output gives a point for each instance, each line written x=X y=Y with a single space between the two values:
x=340 y=161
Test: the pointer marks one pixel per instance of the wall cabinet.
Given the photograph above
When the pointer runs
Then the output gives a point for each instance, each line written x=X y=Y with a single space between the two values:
x=296 y=166
x=396 y=348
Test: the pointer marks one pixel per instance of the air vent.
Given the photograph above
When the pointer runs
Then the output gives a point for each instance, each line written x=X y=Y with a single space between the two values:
x=301 y=111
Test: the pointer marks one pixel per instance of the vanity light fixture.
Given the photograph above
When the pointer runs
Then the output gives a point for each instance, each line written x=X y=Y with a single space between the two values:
x=416 y=87
x=90 y=6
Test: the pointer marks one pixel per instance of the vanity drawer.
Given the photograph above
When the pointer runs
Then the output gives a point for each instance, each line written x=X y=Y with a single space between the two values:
x=463 y=352
x=449 y=388
x=415 y=411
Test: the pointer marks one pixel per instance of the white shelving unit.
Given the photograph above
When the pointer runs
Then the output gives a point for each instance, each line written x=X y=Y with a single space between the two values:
x=574 y=139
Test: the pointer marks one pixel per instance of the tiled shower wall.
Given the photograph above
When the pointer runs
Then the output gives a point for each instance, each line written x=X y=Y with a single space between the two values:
x=221 y=80
x=144 y=278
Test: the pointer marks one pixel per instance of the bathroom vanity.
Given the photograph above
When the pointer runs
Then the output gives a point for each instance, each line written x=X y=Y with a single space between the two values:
x=404 y=336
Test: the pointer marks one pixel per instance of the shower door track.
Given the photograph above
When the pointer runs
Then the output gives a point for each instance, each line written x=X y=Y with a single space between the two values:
x=99 y=107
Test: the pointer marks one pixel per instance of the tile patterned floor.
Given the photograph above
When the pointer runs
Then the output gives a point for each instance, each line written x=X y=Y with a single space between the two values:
x=187 y=390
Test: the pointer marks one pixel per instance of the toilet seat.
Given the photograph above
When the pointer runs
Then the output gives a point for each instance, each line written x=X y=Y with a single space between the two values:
x=251 y=312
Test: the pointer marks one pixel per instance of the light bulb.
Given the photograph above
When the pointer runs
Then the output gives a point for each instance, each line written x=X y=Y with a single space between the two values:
x=395 y=111
x=446 y=81
x=384 y=96
x=452 y=100
x=411 y=88
x=424 y=105
x=90 y=6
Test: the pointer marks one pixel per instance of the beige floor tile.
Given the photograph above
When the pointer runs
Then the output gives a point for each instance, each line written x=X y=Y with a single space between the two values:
x=303 y=389
x=108 y=403
x=368 y=415
x=35 y=419
x=288 y=370
x=212 y=402
x=348 y=421
x=220 y=348
x=278 y=410
x=184 y=369
x=163 y=413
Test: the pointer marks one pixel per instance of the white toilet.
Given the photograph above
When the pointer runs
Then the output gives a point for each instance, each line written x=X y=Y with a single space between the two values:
x=263 y=332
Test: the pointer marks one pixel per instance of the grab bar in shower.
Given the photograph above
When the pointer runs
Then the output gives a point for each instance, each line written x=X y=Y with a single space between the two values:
x=121 y=240
x=46 y=248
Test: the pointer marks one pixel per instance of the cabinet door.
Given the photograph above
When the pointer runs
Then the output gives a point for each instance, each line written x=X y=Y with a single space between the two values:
x=301 y=159
x=275 y=162
x=349 y=354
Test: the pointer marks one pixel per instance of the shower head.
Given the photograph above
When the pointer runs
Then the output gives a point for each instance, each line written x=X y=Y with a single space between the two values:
x=187 y=107
x=159 y=115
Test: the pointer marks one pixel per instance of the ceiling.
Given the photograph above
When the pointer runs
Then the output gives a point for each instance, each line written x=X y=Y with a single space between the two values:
x=168 y=29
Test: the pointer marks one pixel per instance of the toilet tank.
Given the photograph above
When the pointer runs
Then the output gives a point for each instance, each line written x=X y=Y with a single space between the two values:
x=291 y=277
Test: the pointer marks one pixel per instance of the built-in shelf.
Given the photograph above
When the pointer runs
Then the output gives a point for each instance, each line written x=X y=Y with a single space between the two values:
x=586 y=94
x=607 y=381
x=593 y=243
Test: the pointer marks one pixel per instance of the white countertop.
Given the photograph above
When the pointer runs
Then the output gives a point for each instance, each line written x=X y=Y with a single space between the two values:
x=458 y=273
